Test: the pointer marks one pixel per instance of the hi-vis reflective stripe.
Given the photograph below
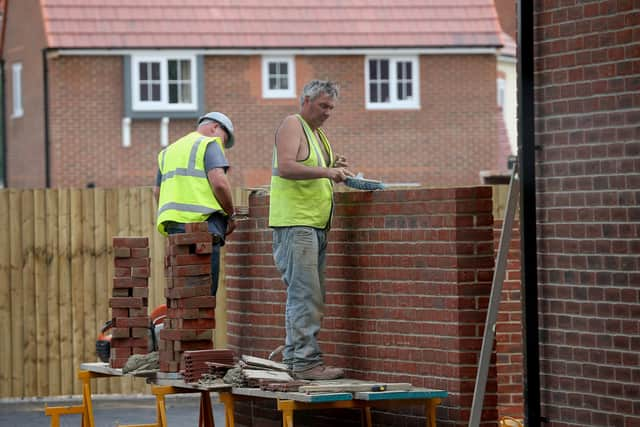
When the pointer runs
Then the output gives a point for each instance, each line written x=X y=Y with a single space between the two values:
x=190 y=170
x=185 y=207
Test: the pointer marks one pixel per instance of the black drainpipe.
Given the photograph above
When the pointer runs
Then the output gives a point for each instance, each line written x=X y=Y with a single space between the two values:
x=47 y=161
x=527 y=157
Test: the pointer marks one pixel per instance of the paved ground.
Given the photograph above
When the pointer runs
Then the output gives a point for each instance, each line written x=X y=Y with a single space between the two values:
x=109 y=411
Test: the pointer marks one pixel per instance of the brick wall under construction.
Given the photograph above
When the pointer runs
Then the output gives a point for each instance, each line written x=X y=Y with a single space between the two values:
x=408 y=281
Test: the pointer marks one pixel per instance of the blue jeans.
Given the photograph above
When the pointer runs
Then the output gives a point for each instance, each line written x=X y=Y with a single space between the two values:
x=300 y=256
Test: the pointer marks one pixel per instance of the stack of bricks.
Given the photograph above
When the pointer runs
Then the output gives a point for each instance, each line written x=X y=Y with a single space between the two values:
x=190 y=307
x=196 y=362
x=129 y=302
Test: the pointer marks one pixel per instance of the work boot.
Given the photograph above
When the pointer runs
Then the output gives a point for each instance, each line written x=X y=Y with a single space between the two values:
x=320 y=372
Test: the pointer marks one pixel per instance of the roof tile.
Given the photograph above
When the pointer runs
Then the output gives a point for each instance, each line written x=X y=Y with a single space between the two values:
x=270 y=23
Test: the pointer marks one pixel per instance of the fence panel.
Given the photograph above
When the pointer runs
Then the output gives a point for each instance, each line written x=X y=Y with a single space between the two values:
x=56 y=271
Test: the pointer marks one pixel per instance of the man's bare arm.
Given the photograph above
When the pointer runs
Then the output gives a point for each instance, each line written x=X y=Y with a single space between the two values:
x=289 y=138
x=222 y=191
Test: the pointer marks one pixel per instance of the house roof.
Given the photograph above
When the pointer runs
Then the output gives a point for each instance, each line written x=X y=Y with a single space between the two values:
x=270 y=23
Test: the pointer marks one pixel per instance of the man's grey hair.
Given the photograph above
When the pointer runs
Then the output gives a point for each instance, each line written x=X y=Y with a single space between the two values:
x=314 y=88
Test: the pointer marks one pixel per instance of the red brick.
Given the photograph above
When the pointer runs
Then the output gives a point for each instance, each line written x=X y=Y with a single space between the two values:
x=188 y=270
x=176 y=260
x=121 y=252
x=196 y=324
x=185 y=334
x=189 y=238
x=128 y=302
x=131 y=242
x=126 y=282
x=131 y=262
x=194 y=302
x=139 y=252
x=193 y=291
x=131 y=322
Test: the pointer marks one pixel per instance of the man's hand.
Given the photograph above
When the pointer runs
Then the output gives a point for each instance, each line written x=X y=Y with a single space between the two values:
x=231 y=225
x=340 y=162
x=338 y=174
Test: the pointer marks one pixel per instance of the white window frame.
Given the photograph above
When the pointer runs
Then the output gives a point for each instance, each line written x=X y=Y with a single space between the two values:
x=163 y=104
x=16 y=90
x=394 y=103
x=291 y=77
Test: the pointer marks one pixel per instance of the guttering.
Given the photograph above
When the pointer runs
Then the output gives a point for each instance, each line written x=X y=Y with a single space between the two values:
x=527 y=157
x=479 y=50
x=47 y=148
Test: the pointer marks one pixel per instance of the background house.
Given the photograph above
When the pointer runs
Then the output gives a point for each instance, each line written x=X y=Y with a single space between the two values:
x=97 y=88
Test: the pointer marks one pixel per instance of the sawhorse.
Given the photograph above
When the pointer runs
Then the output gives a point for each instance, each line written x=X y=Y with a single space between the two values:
x=86 y=408
x=288 y=407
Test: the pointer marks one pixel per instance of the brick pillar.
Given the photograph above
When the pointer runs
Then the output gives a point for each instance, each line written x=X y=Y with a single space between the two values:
x=190 y=307
x=129 y=302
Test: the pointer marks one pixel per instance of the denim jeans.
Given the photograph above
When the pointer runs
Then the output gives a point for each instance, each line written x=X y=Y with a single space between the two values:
x=300 y=256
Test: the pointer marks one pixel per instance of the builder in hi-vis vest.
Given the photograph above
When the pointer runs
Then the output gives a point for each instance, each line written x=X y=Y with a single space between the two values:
x=301 y=205
x=192 y=185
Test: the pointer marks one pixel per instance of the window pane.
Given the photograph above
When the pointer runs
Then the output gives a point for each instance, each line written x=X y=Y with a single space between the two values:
x=144 y=92
x=384 y=92
x=142 y=69
x=284 y=67
x=400 y=89
x=155 y=92
x=185 y=89
x=272 y=68
x=185 y=70
x=409 y=90
x=284 y=83
x=173 y=70
x=155 y=71
x=408 y=67
x=399 y=70
x=373 y=69
x=273 y=83
x=384 y=69
x=173 y=93
x=373 y=93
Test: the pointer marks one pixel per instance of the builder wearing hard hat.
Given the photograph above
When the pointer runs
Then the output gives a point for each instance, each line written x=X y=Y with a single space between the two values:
x=192 y=184
x=301 y=205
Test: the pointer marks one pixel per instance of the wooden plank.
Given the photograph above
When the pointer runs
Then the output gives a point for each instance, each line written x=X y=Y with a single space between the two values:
x=101 y=272
x=259 y=374
x=101 y=368
x=220 y=338
x=261 y=363
x=88 y=275
x=298 y=397
x=416 y=393
x=17 y=306
x=41 y=292
x=29 y=294
x=355 y=387
x=111 y=224
x=67 y=371
x=124 y=229
x=77 y=288
x=54 y=367
x=156 y=284
x=5 y=298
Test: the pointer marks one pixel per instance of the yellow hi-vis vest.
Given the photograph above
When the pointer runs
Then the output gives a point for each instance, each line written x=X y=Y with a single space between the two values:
x=306 y=202
x=185 y=193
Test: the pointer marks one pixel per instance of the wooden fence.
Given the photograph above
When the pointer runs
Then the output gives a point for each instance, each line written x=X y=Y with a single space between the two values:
x=56 y=270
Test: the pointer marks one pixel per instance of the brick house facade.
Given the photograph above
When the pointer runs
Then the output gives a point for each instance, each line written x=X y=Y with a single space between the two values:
x=77 y=98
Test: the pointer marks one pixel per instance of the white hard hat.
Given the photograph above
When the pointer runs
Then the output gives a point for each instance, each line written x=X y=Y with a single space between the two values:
x=224 y=121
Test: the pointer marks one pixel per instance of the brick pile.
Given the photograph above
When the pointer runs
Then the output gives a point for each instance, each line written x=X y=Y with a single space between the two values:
x=190 y=307
x=199 y=362
x=129 y=302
